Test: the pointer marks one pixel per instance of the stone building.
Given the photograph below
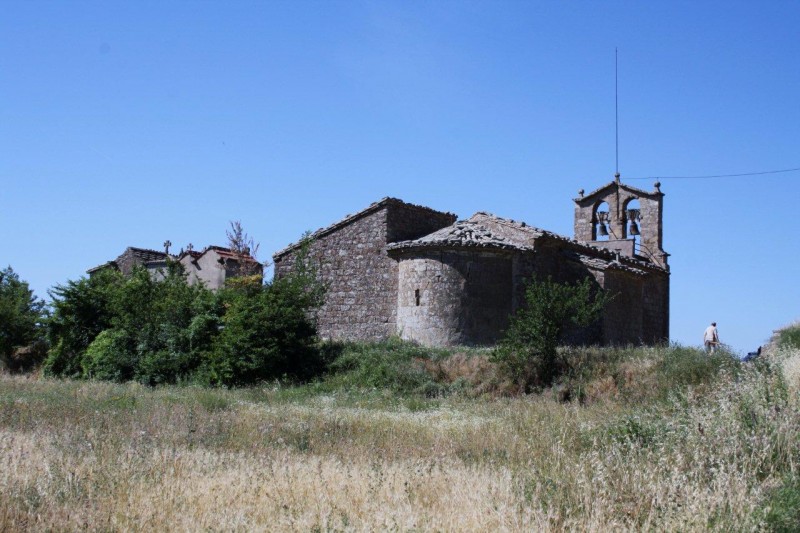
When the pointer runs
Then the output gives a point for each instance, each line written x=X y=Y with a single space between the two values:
x=215 y=264
x=400 y=269
x=211 y=266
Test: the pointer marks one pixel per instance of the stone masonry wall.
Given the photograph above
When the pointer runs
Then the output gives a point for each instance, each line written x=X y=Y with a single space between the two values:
x=406 y=222
x=655 y=309
x=127 y=262
x=454 y=297
x=622 y=317
x=360 y=278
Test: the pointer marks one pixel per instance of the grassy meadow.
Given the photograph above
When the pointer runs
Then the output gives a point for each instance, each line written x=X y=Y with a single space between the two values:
x=639 y=439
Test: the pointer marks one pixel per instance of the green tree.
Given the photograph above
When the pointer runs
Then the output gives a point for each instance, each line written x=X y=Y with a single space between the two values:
x=167 y=325
x=117 y=328
x=269 y=330
x=21 y=314
x=528 y=351
x=82 y=309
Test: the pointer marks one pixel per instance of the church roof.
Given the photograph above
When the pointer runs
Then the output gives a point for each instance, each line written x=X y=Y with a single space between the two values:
x=487 y=231
x=481 y=230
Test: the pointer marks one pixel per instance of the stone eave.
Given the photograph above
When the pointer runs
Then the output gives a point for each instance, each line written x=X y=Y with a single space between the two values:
x=411 y=246
x=350 y=218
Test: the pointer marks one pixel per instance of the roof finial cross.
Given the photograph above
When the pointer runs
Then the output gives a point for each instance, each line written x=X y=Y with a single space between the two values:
x=167 y=244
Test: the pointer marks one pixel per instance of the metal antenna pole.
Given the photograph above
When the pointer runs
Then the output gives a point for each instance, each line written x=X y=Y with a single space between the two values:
x=616 y=112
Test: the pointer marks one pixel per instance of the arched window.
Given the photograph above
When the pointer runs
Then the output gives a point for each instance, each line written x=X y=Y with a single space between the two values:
x=632 y=213
x=601 y=220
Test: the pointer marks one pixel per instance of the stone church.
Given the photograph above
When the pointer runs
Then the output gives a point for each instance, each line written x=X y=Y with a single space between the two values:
x=396 y=268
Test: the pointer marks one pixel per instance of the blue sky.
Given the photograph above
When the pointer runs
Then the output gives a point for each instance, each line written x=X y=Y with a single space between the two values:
x=132 y=123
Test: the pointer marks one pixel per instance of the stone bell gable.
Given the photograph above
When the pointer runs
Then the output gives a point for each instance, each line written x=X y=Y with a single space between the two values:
x=608 y=218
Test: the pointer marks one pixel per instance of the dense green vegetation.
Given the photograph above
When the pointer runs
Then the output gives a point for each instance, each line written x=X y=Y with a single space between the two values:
x=155 y=331
x=21 y=318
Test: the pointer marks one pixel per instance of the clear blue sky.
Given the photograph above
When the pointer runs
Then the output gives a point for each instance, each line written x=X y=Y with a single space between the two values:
x=131 y=123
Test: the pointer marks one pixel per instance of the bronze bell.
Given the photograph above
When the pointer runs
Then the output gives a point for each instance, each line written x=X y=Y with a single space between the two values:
x=634 y=228
x=602 y=231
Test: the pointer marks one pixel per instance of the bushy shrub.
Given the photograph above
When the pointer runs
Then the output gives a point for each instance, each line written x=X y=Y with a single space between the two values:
x=158 y=316
x=109 y=357
x=21 y=316
x=151 y=330
x=528 y=351
x=267 y=333
x=82 y=309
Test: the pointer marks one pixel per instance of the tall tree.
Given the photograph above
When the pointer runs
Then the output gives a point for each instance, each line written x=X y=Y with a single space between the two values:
x=21 y=314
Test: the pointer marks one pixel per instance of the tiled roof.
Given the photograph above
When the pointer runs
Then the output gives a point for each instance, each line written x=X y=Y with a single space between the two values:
x=480 y=231
x=599 y=263
x=484 y=230
x=221 y=251
x=374 y=206
x=145 y=254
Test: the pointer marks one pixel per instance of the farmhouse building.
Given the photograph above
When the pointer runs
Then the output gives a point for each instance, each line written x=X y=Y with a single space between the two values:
x=211 y=266
x=400 y=269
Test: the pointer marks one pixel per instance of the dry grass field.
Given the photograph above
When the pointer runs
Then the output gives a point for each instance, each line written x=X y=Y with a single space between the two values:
x=99 y=456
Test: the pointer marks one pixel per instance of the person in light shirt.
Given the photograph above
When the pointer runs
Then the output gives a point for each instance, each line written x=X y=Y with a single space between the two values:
x=711 y=338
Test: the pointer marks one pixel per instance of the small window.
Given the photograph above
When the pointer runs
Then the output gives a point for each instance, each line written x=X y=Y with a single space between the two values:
x=416 y=297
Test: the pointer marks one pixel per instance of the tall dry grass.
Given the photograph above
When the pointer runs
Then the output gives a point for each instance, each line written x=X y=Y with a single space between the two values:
x=87 y=455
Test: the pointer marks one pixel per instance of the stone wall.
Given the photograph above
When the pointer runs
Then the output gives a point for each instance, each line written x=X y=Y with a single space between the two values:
x=454 y=297
x=622 y=317
x=655 y=309
x=359 y=276
x=205 y=269
x=360 y=280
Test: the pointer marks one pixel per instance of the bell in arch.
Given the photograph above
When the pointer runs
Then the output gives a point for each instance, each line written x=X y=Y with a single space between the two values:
x=634 y=228
x=603 y=231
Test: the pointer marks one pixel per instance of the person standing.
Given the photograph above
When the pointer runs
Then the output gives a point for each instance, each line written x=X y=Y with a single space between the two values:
x=711 y=338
